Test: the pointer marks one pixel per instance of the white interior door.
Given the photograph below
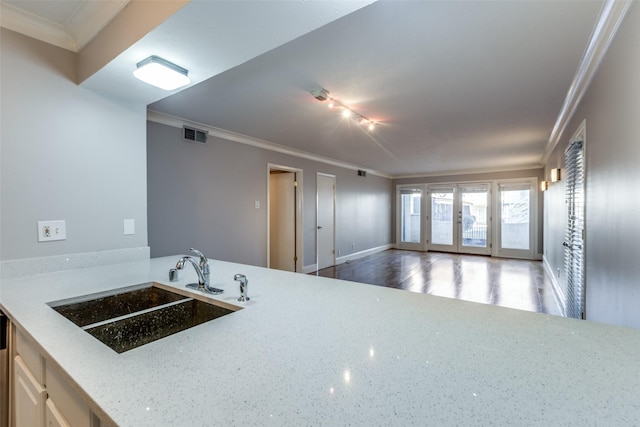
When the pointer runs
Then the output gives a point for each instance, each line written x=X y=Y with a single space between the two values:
x=459 y=219
x=282 y=220
x=325 y=227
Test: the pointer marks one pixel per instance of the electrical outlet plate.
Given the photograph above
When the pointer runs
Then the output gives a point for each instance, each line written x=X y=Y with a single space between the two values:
x=51 y=230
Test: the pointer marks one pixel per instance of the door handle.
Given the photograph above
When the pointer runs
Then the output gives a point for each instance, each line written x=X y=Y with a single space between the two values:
x=319 y=227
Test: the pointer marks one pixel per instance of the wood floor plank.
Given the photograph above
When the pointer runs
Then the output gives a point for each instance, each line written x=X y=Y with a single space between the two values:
x=519 y=284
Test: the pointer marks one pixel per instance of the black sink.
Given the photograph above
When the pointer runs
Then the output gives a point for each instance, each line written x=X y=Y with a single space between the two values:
x=130 y=317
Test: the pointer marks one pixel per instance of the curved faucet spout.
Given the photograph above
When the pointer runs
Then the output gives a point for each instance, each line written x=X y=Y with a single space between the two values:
x=203 y=283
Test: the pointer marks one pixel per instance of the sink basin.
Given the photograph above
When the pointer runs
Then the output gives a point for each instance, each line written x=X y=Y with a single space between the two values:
x=130 y=317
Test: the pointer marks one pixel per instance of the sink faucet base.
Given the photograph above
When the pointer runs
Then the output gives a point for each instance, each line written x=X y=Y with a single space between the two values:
x=208 y=289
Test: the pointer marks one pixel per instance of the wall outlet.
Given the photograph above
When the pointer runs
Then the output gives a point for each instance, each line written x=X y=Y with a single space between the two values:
x=257 y=204
x=51 y=230
x=129 y=226
x=353 y=246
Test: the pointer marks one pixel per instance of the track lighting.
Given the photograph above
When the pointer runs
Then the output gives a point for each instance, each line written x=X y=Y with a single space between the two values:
x=323 y=95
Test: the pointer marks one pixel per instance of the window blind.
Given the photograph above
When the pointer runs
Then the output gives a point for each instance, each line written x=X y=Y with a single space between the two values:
x=573 y=242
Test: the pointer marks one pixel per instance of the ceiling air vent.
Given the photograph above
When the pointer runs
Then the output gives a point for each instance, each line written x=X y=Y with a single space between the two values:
x=194 y=135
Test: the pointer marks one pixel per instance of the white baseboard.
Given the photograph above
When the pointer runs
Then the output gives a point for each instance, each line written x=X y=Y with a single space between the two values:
x=341 y=260
x=310 y=268
x=561 y=300
x=362 y=254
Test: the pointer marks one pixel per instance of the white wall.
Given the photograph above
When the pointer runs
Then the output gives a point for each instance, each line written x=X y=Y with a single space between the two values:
x=66 y=153
x=204 y=196
x=611 y=108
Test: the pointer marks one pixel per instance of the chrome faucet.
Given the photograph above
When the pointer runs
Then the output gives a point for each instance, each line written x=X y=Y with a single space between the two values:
x=203 y=279
x=244 y=284
x=204 y=263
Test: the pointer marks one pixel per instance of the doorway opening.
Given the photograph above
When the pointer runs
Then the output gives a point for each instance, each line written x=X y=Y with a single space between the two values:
x=284 y=218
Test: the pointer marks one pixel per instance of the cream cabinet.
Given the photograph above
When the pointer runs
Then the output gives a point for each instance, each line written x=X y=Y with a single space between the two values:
x=43 y=394
x=53 y=417
x=29 y=396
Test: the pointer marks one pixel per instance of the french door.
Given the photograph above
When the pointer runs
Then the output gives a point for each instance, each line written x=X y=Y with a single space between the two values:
x=460 y=219
x=411 y=235
x=516 y=213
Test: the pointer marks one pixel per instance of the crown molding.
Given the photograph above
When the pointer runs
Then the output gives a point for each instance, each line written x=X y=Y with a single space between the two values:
x=470 y=171
x=34 y=26
x=169 y=120
x=611 y=16
x=88 y=20
x=91 y=18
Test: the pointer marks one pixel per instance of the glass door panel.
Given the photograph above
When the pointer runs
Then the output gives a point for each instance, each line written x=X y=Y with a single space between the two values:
x=473 y=216
x=516 y=210
x=460 y=219
x=410 y=200
x=442 y=219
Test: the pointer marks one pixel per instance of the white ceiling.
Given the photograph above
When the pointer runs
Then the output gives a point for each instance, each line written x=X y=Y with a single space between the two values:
x=457 y=86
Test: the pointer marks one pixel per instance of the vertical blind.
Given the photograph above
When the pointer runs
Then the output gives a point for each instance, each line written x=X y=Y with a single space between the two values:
x=573 y=242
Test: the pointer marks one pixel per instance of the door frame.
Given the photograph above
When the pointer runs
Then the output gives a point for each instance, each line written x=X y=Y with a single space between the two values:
x=456 y=246
x=318 y=174
x=299 y=211
x=532 y=253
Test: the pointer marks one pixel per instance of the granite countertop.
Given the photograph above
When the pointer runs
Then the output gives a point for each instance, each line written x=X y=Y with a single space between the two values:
x=309 y=350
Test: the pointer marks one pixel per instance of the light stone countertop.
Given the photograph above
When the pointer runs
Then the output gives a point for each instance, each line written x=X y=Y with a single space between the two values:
x=309 y=350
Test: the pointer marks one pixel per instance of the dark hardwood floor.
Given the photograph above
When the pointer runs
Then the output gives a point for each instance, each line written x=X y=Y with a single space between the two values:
x=518 y=284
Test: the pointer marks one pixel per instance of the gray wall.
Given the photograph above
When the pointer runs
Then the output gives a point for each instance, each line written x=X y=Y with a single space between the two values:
x=489 y=176
x=204 y=195
x=66 y=153
x=611 y=108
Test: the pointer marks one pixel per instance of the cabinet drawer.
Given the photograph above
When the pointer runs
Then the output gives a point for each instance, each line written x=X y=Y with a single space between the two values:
x=30 y=355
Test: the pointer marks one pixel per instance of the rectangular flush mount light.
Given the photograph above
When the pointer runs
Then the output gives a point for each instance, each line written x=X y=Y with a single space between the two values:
x=162 y=73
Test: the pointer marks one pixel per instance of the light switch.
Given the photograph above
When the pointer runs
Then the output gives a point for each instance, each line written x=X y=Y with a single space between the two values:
x=129 y=226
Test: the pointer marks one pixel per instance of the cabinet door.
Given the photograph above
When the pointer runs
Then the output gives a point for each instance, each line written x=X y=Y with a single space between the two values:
x=29 y=397
x=53 y=417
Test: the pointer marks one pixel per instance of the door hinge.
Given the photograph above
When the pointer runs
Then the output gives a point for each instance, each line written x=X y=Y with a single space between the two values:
x=295 y=183
x=333 y=251
x=490 y=245
x=295 y=258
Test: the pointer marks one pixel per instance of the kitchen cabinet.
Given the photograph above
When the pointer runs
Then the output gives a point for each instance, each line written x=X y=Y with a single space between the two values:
x=53 y=417
x=43 y=395
x=29 y=396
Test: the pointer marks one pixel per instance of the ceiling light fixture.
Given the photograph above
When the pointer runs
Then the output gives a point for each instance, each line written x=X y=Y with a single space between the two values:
x=161 y=73
x=323 y=95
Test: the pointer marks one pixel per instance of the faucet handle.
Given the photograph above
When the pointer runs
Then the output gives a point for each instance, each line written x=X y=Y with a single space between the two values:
x=204 y=262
